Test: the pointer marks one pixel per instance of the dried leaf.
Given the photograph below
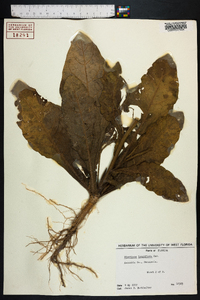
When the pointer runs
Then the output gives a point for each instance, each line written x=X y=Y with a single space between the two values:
x=157 y=179
x=157 y=142
x=163 y=183
x=157 y=92
x=80 y=88
x=42 y=126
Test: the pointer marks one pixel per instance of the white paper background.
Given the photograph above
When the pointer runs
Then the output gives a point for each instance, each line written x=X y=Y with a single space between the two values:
x=129 y=215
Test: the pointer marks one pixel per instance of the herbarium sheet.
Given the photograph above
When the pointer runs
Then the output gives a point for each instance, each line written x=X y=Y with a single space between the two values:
x=100 y=157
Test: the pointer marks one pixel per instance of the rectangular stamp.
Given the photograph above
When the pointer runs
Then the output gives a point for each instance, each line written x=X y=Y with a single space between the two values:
x=20 y=30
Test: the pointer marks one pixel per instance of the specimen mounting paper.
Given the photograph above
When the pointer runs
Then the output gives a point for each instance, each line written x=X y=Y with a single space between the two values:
x=129 y=215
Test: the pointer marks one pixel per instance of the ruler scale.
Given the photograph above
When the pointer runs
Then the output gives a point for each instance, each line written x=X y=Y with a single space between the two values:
x=63 y=11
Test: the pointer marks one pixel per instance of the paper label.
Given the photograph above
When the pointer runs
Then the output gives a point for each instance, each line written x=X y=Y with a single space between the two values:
x=170 y=26
x=20 y=30
x=156 y=268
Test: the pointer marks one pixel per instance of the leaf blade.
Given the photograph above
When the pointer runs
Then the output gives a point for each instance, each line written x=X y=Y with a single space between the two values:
x=80 y=90
x=41 y=125
x=157 y=142
x=155 y=178
x=157 y=92
x=165 y=184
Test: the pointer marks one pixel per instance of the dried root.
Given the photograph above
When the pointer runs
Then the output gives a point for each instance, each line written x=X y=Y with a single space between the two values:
x=64 y=240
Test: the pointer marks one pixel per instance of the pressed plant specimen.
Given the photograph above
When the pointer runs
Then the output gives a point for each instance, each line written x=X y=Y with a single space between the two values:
x=88 y=120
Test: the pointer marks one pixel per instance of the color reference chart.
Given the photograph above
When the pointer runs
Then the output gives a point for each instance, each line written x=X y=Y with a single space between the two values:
x=123 y=11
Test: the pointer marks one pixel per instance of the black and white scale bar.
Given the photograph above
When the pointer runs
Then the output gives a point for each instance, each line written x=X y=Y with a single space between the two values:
x=63 y=11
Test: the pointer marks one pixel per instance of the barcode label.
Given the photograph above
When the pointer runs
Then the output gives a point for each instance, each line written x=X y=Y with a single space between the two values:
x=171 y=26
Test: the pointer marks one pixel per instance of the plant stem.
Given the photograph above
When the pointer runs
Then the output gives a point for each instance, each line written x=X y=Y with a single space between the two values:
x=120 y=146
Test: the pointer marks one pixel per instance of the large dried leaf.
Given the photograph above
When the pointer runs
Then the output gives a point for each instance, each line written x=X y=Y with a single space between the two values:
x=163 y=183
x=155 y=178
x=42 y=126
x=157 y=92
x=80 y=88
x=157 y=142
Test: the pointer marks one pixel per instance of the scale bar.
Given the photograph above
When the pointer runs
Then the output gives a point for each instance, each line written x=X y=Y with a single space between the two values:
x=63 y=11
